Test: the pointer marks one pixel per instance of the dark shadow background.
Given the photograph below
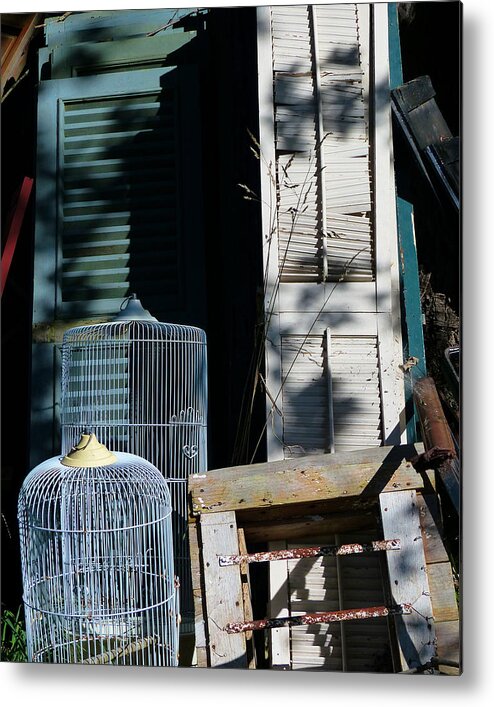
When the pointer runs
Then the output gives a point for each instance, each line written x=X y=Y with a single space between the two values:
x=227 y=59
x=430 y=36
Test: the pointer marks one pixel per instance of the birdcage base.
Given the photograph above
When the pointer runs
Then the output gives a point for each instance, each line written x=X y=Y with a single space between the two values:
x=110 y=651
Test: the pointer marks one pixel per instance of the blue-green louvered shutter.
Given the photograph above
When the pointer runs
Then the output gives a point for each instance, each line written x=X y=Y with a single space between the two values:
x=118 y=209
x=120 y=194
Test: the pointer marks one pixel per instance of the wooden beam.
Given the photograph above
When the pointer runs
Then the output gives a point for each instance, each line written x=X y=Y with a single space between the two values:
x=441 y=582
x=448 y=644
x=442 y=591
x=197 y=592
x=223 y=591
x=247 y=599
x=14 y=228
x=307 y=526
x=15 y=58
x=408 y=579
x=53 y=332
x=429 y=513
x=386 y=232
x=269 y=216
x=284 y=486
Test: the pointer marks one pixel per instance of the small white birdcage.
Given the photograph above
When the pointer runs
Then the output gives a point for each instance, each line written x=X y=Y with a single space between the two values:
x=97 y=560
x=141 y=387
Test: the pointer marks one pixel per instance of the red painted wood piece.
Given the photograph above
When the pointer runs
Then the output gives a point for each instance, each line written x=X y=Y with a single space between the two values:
x=14 y=229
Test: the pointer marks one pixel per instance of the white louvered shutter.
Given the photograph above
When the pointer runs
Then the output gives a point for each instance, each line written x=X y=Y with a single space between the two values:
x=331 y=294
x=333 y=584
x=331 y=393
x=321 y=78
x=331 y=258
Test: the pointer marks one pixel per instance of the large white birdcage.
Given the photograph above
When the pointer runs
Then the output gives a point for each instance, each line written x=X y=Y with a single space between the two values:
x=141 y=386
x=97 y=560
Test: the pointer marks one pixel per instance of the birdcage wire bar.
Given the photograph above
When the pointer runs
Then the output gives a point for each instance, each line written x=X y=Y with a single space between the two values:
x=97 y=564
x=141 y=387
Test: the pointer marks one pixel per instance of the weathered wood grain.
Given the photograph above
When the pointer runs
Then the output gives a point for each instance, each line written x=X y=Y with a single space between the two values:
x=329 y=478
x=440 y=577
x=306 y=526
x=197 y=592
x=448 y=644
x=430 y=522
x=223 y=591
x=53 y=332
x=247 y=599
x=408 y=578
x=442 y=590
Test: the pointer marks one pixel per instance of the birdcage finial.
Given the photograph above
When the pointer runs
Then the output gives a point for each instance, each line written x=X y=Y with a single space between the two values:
x=131 y=309
x=88 y=452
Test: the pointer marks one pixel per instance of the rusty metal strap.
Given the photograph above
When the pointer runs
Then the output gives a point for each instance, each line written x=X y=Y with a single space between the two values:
x=317 y=551
x=326 y=617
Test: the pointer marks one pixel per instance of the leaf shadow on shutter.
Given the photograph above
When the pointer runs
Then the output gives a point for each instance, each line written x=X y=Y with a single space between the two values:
x=320 y=99
x=119 y=207
x=322 y=128
x=322 y=133
x=121 y=215
x=330 y=399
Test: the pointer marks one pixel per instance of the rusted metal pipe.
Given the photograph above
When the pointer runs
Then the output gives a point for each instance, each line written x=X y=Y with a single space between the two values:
x=325 y=617
x=433 y=424
x=316 y=551
x=437 y=438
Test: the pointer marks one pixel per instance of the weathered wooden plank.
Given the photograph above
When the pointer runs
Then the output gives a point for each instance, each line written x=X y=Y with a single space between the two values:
x=357 y=475
x=14 y=59
x=408 y=578
x=223 y=591
x=415 y=93
x=448 y=643
x=197 y=592
x=448 y=152
x=293 y=528
x=429 y=522
x=53 y=332
x=247 y=599
x=442 y=591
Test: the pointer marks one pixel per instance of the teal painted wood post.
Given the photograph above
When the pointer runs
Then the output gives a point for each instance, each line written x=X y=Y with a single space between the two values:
x=409 y=271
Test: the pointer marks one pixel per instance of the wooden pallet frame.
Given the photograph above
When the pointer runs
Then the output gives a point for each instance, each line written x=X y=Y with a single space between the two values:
x=332 y=493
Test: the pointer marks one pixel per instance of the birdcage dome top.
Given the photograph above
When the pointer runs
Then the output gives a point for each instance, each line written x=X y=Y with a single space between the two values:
x=124 y=492
x=134 y=330
x=134 y=323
